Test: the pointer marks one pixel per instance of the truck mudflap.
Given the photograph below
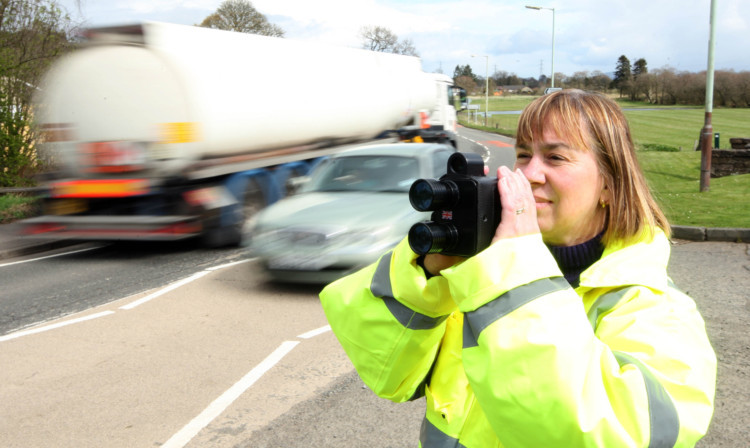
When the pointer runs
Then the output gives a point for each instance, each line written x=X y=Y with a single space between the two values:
x=152 y=228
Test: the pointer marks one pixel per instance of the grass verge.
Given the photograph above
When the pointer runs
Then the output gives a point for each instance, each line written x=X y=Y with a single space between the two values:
x=14 y=207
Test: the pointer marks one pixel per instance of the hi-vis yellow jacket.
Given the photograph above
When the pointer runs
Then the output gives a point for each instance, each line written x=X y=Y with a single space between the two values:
x=507 y=354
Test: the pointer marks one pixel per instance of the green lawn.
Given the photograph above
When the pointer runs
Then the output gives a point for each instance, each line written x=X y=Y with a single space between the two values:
x=674 y=177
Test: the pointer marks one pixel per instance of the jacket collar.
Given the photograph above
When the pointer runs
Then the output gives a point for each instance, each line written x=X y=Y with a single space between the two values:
x=643 y=262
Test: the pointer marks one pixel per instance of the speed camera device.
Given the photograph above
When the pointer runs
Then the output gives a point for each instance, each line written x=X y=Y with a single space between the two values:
x=465 y=206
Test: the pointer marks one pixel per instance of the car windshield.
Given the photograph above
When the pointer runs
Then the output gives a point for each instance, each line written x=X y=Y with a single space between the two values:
x=364 y=173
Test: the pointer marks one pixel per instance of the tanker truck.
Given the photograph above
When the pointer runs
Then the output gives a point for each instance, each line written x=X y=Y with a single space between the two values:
x=163 y=132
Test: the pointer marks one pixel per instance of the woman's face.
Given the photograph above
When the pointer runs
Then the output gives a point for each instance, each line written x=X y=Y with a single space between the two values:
x=567 y=188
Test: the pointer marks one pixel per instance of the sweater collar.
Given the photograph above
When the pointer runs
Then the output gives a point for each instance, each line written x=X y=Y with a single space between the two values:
x=573 y=260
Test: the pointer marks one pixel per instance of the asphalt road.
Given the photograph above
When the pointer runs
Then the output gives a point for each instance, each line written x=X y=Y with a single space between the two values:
x=93 y=274
x=135 y=376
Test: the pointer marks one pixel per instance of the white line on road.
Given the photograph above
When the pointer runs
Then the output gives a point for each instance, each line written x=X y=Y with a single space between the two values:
x=186 y=434
x=48 y=256
x=218 y=406
x=216 y=268
x=160 y=292
x=313 y=333
x=18 y=334
x=129 y=306
x=486 y=155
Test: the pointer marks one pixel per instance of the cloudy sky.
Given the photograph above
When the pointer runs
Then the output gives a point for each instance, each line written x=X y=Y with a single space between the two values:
x=589 y=34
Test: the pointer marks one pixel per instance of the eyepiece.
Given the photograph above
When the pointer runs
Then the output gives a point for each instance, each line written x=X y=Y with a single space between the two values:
x=466 y=163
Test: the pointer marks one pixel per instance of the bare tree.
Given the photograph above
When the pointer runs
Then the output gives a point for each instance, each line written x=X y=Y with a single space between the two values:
x=599 y=81
x=731 y=88
x=579 y=80
x=379 y=38
x=467 y=83
x=242 y=17
x=34 y=33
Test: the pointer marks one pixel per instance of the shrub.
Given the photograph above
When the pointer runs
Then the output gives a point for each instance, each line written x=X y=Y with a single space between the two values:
x=658 y=147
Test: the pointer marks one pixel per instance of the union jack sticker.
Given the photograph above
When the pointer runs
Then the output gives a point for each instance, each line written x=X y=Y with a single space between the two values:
x=447 y=215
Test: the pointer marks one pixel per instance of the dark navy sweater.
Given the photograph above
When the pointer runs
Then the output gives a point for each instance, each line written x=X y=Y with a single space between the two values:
x=573 y=260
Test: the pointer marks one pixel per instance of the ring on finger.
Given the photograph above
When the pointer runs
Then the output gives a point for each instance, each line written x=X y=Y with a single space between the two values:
x=520 y=210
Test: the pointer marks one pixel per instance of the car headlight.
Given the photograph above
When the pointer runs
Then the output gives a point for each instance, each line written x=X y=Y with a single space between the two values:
x=266 y=240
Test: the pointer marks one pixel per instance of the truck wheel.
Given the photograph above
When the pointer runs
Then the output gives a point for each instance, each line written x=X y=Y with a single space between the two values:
x=238 y=234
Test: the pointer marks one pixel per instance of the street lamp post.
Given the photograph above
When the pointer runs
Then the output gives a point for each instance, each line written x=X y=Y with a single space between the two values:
x=486 y=85
x=553 y=39
x=708 y=130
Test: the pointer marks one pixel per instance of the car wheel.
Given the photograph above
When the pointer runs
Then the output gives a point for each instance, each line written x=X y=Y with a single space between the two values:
x=238 y=234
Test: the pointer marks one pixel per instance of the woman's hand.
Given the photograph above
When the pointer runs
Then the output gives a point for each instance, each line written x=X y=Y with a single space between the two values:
x=434 y=263
x=518 y=216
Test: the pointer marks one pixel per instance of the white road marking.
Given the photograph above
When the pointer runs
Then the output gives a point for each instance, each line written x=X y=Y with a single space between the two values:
x=48 y=256
x=19 y=334
x=163 y=291
x=219 y=405
x=216 y=268
x=486 y=155
x=129 y=306
x=313 y=333
x=187 y=433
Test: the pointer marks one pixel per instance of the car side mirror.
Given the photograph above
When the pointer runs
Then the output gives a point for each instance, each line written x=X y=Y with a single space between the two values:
x=294 y=184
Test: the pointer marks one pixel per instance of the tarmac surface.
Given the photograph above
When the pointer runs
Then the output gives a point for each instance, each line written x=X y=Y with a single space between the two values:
x=13 y=244
x=711 y=265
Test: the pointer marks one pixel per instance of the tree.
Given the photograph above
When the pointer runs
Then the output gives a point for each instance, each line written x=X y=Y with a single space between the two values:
x=503 y=78
x=242 y=17
x=579 y=80
x=640 y=67
x=639 y=84
x=623 y=74
x=34 y=33
x=599 y=81
x=379 y=38
x=467 y=83
x=464 y=70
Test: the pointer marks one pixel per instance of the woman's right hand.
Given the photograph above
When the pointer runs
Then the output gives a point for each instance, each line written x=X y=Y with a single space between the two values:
x=518 y=216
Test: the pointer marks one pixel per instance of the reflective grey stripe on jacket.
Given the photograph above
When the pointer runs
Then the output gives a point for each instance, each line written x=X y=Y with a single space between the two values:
x=476 y=321
x=663 y=418
x=381 y=287
x=662 y=414
x=431 y=437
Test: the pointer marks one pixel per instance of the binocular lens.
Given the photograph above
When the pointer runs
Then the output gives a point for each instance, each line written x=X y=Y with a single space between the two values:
x=429 y=237
x=428 y=194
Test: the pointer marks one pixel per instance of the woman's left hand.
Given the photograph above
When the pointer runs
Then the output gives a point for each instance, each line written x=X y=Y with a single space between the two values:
x=518 y=215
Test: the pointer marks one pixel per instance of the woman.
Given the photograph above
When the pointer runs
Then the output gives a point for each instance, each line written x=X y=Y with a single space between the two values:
x=566 y=330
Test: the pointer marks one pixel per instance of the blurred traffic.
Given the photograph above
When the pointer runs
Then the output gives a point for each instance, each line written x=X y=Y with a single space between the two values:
x=159 y=132
x=352 y=209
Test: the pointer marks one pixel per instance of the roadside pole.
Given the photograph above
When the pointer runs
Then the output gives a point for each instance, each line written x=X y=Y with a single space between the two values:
x=708 y=131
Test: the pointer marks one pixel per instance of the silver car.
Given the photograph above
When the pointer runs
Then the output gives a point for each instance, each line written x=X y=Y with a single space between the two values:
x=354 y=208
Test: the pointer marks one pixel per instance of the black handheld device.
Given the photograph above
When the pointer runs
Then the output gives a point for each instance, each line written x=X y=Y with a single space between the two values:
x=465 y=206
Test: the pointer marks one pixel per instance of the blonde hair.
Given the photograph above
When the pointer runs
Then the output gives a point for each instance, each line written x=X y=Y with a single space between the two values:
x=589 y=120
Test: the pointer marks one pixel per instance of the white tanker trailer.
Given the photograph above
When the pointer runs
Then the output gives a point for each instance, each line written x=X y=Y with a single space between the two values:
x=163 y=131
